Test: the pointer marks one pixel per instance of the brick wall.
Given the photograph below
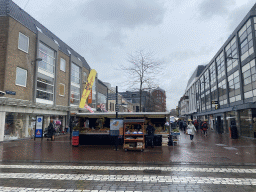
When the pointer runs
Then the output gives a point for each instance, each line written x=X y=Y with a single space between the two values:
x=17 y=58
x=4 y=25
x=62 y=77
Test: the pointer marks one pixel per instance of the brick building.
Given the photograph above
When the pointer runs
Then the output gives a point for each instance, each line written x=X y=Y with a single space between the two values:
x=158 y=100
x=39 y=74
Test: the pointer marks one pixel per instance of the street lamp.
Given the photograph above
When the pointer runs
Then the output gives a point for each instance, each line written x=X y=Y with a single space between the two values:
x=231 y=58
x=37 y=59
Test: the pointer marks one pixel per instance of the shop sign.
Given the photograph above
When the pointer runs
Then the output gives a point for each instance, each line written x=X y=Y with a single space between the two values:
x=215 y=102
x=116 y=127
x=39 y=127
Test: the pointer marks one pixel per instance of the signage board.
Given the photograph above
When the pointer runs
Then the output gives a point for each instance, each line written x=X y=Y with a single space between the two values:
x=39 y=127
x=116 y=127
x=10 y=92
x=215 y=102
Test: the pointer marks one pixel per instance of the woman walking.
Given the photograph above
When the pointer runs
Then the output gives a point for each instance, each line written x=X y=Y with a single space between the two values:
x=191 y=130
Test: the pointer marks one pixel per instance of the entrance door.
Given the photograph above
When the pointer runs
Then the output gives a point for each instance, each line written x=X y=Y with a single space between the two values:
x=219 y=124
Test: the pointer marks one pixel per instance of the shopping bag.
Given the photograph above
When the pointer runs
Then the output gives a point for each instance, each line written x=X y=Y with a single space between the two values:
x=189 y=131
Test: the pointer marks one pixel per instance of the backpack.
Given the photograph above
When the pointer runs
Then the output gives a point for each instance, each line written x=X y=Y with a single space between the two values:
x=205 y=125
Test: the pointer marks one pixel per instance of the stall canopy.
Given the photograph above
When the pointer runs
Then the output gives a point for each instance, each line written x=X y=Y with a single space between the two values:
x=125 y=115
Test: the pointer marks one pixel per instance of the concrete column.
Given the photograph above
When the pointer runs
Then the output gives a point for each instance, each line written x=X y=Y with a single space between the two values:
x=2 y=125
x=26 y=124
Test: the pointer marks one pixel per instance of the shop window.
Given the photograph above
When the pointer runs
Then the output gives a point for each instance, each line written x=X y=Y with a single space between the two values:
x=62 y=89
x=23 y=42
x=21 y=77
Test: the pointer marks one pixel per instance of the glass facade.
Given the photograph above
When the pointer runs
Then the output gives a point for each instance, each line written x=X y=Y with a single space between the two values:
x=45 y=75
x=249 y=78
x=222 y=86
x=231 y=51
x=246 y=41
x=220 y=65
x=234 y=87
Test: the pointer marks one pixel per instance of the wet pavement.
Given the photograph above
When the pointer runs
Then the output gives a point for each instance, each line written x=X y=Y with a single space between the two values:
x=213 y=149
x=214 y=163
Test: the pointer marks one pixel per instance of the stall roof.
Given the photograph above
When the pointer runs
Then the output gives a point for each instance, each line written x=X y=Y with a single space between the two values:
x=125 y=114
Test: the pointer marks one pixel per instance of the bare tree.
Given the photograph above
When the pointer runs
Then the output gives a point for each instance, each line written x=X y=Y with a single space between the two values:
x=142 y=71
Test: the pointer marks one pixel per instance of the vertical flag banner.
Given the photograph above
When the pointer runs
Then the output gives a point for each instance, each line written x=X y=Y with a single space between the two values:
x=87 y=88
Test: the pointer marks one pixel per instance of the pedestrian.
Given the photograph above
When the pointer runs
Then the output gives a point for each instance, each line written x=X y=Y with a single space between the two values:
x=196 y=124
x=151 y=132
x=180 y=124
x=191 y=130
x=185 y=125
x=51 y=130
x=205 y=127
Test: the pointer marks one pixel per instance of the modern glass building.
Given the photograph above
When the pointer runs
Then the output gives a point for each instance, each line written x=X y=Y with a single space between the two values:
x=225 y=90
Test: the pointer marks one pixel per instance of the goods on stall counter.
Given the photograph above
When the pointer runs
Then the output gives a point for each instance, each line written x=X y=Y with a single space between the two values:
x=135 y=132
x=140 y=132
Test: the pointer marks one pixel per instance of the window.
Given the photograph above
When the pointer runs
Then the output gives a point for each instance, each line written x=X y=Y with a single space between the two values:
x=23 y=42
x=38 y=29
x=231 y=51
x=249 y=79
x=48 y=59
x=220 y=65
x=45 y=75
x=246 y=41
x=214 y=94
x=222 y=92
x=56 y=42
x=84 y=77
x=75 y=84
x=21 y=77
x=62 y=89
x=62 y=64
x=212 y=73
x=234 y=87
x=206 y=80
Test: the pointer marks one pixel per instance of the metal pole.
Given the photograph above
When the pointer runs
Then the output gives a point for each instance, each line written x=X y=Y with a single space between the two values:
x=117 y=107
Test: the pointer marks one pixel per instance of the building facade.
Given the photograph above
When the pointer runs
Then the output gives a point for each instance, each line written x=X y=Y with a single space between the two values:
x=225 y=90
x=158 y=100
x=39 y=74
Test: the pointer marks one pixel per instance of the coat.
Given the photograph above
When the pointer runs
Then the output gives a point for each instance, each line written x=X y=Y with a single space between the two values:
x=192 y=127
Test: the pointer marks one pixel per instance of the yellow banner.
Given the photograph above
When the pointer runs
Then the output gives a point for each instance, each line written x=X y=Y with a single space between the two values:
x=88 y=88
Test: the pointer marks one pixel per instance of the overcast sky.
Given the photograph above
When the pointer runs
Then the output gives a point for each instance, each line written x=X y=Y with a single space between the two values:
x=183 y=33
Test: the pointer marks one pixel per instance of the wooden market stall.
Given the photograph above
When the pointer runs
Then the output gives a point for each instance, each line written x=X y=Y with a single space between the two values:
x=94 y=128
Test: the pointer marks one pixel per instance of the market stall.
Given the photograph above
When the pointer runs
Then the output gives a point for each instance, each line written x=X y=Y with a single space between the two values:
x=94 y=128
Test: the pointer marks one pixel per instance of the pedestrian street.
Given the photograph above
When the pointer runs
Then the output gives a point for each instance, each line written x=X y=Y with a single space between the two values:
x=97 y=178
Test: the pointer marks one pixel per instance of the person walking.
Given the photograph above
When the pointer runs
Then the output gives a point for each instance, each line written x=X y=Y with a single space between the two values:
x=191 y=130
x=185 y=125
x=180 y=124
x=205 y=127
x=51 y=130
x=196 y=124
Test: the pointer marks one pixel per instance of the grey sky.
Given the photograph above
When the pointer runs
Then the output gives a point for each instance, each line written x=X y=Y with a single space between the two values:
x=183 y=33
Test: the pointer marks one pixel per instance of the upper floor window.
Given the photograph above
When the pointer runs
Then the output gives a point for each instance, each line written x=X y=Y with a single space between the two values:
x=245 y=40
x=84 y=77
x=62 y=64
x=75 y=74
x=220 y=65
x=21 y=77
x=212 y=73
x=234 y=87
x=23 y=42
x=48 y=59
x=62 y=89
x=249 y=79
x=206 y=79
x=231 y=51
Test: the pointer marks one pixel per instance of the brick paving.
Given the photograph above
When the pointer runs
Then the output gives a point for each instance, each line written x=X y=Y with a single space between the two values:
x=214 y=149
